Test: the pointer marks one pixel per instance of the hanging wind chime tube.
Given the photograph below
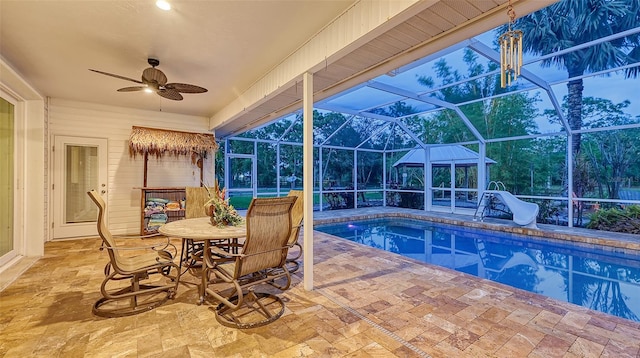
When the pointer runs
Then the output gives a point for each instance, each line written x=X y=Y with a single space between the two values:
x=510 y=52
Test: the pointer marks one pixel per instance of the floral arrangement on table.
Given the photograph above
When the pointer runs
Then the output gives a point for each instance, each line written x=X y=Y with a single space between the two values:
x=218 y=208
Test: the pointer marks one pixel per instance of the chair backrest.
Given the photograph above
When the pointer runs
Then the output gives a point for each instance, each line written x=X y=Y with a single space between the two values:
x=297 y=214
x=103 y=231
x=195 y=198
x=268 y=231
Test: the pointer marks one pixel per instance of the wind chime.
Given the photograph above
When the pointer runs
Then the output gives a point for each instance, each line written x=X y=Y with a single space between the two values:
x=510 y=51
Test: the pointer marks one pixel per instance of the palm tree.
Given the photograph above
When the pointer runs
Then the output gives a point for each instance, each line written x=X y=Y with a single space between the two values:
x=572 y=22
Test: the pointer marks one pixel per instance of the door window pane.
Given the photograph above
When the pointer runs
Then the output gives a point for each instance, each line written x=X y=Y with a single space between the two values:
x=81 y=175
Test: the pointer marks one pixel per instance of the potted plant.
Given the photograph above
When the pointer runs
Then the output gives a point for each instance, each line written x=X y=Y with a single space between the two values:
x=218 y=208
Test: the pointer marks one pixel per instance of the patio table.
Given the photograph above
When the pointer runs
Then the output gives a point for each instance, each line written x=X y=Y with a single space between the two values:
x=199 y=230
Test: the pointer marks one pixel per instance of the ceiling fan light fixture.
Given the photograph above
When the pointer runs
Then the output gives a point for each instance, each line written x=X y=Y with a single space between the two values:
x=155 y=81
x=163 y=4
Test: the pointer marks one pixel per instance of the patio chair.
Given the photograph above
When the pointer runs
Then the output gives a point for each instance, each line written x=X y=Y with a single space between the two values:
x=139 y=295
x=195 y=198
x=262 y=260
x=297 y=213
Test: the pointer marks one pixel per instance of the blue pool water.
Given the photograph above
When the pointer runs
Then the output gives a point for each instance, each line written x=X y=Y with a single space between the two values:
x=599 y=279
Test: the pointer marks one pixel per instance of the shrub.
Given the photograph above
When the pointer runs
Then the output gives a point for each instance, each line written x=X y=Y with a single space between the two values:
x=411 y=201
x=625 y=220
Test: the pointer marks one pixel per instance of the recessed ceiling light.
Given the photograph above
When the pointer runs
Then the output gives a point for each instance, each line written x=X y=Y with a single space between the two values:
x=148 y=90
x=164 y=5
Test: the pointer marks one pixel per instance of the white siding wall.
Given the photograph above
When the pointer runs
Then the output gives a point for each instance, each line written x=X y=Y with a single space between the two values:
x=125 y=173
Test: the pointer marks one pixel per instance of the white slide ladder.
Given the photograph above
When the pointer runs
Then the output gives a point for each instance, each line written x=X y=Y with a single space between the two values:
x=524 y=213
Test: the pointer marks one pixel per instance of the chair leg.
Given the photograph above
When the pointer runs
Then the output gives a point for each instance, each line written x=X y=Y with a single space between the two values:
x=292 y=266
x=134 y=298
x=292 y=262
x=257 y=309
x=245 y=308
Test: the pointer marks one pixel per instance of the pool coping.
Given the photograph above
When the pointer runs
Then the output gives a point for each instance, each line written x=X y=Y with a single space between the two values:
x=616 y=242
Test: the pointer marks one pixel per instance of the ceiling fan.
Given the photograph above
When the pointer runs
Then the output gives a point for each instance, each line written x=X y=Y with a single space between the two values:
x=155 y=80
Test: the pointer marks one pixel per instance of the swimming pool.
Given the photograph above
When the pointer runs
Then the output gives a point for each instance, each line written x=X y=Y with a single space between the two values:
x=597 y=278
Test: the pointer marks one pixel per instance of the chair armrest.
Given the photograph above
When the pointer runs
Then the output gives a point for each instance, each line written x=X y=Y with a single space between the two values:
x=134 y=248
x=137 y=236
x=164 y=257
x=141 y=237
x=158 y=246
x=220 y=255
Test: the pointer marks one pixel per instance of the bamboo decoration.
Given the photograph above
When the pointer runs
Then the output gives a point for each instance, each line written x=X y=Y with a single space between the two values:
x=510 y=52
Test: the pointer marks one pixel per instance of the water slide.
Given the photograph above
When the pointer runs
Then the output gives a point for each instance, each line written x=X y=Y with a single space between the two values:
x=524 y=213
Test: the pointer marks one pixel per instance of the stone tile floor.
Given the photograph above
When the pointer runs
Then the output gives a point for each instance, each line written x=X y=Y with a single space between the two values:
x=366 y=303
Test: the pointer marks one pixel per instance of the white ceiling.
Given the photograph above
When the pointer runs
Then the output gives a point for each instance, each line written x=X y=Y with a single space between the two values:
x=224 y=46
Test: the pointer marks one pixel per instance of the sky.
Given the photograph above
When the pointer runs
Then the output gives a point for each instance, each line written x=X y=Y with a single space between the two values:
x=612 y=86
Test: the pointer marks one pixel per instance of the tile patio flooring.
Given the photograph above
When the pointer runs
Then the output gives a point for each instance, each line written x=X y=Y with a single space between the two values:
x=366 y=303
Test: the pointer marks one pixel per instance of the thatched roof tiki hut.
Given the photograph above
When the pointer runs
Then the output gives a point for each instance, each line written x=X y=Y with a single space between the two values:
x=159 y=142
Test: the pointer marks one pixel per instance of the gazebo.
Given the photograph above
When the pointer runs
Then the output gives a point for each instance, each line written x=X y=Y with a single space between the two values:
x=443 y=156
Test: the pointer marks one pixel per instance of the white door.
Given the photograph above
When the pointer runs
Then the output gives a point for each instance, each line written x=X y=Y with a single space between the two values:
x=80 y=164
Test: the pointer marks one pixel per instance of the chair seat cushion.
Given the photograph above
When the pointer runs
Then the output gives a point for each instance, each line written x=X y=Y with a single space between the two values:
x=227 y=268
x=144 y=261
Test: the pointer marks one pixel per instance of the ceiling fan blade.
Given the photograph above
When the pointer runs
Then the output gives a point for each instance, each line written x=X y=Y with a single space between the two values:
x=154 y=76
x=185 y=88
x=133 y=89
x=117 y=76
x=170 y=94
x=156 y=81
